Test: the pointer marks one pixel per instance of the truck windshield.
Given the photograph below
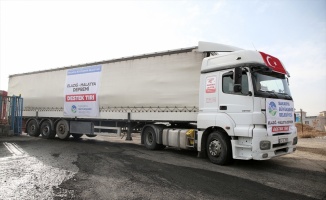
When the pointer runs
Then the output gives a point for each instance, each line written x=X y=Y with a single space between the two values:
x=270 y=85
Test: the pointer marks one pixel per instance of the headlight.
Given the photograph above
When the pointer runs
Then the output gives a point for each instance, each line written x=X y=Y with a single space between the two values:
x=265 y=144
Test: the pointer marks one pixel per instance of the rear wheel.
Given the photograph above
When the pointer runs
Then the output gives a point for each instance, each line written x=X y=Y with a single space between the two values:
x=47 y=130
x=218 y=148
x=62 y=129
x=33 y=128
x=150 y=139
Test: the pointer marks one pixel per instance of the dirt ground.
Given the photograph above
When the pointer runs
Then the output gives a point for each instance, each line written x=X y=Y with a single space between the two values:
x=112 y=168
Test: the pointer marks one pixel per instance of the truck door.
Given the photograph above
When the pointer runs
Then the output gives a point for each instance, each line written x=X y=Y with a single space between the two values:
x=238 y=105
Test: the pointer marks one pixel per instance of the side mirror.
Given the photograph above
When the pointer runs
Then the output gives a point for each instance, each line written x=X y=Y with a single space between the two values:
x=237 y=88
x=237 y=79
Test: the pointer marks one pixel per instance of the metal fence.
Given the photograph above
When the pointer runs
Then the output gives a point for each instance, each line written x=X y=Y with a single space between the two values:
x=11 y=111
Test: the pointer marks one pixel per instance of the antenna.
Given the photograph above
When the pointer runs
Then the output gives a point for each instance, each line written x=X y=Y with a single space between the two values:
x=253 y=46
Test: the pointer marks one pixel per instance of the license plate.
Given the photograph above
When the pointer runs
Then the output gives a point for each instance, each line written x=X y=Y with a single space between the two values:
x=282 y=140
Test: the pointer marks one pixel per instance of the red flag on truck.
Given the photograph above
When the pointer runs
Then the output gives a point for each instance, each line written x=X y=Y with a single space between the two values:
x=273 y=63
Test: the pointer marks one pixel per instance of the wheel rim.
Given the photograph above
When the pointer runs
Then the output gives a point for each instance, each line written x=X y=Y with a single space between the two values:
x=32 y=129
x=62 y=129
x=149 y=138
x=45 y=130
x=215 y=148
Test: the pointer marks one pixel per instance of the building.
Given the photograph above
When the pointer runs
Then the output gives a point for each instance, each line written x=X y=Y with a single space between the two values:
x=317 y=122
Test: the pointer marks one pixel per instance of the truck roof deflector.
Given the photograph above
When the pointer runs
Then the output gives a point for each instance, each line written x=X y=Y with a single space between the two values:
x=215 y=47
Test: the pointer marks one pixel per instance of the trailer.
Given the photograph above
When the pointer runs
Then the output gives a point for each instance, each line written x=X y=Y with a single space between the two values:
x=222 y=101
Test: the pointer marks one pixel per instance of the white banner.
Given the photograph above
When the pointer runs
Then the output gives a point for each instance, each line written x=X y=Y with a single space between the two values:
x=81 y=98
x=279 y=115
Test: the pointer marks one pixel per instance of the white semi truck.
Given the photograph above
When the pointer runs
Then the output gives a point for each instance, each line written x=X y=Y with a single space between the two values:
x=225 y=102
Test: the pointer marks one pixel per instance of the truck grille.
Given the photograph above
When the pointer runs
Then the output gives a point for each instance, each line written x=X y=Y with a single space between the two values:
x=276 y=134
x=281 y=151
x=279 y=145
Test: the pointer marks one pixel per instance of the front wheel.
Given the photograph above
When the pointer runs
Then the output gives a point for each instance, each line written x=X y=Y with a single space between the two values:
x=218 y=148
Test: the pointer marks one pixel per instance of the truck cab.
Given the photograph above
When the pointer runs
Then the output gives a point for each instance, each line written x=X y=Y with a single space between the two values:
x=245 y=108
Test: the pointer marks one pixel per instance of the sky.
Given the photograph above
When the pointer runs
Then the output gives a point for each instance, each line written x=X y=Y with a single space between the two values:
x=39 y=35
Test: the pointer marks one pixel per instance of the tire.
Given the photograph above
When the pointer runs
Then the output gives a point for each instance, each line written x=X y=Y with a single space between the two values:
x=90 y=135
x=150 y=139
x=62 y=129
x=33 y=128
x=218 y=148
x=76 y=136
x=47 y=130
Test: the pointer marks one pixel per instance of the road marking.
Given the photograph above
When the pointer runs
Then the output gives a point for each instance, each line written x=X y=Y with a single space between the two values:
x=14 y=149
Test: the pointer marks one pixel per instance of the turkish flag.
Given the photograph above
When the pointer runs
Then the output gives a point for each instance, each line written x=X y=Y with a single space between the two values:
x=273 y=63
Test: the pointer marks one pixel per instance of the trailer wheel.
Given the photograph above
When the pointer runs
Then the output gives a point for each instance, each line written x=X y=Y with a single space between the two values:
x=76 y=136
x=150 y=139
x=62 y=129
x=219 y=149
x=47 y=130
x=33 y=128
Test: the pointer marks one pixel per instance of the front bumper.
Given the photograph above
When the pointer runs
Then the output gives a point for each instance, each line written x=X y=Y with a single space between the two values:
x=278 y=146
x=250 y=148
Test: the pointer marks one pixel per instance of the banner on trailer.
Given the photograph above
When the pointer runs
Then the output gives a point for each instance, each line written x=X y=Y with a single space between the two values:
x=82 y=85
x=279 y=115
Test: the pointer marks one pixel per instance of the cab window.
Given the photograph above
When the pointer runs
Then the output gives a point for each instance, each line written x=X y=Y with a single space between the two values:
x=228 y=83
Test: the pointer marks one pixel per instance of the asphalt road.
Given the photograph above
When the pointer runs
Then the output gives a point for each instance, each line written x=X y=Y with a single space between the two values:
x=112 y=168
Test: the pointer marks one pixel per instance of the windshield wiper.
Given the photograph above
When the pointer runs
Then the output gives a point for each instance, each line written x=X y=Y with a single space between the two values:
x=277 y=95
x=271 y=94
x=286 y=96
